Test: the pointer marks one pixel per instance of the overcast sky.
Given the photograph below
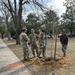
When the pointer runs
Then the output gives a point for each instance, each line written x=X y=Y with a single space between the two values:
x=57 y=5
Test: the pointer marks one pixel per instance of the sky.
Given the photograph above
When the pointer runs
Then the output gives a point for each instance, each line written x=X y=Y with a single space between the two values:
x=57 y=6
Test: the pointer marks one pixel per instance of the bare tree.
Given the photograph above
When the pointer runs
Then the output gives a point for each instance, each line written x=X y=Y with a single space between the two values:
x=6 y=16
x=15 y=8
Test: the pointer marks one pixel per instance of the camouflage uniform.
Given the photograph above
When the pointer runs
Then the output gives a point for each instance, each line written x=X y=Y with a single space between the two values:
x=41 y=44
x=24 y=44
x=32 y=41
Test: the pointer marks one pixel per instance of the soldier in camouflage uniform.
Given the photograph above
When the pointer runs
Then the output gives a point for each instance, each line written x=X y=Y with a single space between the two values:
x=32 y=41
x=24 y=43
x=42 y=43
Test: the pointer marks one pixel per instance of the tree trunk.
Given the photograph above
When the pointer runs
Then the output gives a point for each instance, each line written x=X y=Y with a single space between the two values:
x=9 y=35
x=71 y=33
x=2 y=35
x=18 y=31
x=18 y=19
x=17 y=38
x=8 y=28
x=16 y=15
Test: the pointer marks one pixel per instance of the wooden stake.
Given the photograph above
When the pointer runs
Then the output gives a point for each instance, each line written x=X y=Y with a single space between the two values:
x=55 y=43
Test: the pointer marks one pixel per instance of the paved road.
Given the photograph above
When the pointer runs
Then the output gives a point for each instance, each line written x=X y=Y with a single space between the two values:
x=9 y=63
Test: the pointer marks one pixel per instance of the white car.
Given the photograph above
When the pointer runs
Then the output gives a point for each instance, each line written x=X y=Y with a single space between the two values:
x=59 y=35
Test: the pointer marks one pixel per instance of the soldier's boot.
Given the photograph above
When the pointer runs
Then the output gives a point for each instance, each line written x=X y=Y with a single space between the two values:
x=25 y=58
x=28 y=59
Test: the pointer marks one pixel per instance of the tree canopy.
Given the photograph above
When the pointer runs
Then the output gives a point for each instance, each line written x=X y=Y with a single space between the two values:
x=69 y=16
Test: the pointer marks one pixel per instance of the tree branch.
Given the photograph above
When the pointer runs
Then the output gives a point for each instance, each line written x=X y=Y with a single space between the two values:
x=26 y=2
x=38 y=4
x=15 y=5
x=10 y=10
x=10 y=6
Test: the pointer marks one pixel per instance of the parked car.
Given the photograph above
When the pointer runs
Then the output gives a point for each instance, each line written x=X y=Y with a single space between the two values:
x=73 y=35
x=59 y=35
x=49 y=36
x=13 y=37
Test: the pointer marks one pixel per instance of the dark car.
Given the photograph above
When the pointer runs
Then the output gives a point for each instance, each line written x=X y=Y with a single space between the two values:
x=59 y=35
x=73 y=35
x=13 y=37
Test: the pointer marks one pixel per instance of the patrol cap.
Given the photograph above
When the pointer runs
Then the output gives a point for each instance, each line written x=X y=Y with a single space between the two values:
x=43 y=30
x=24 y=28
x=32 y=30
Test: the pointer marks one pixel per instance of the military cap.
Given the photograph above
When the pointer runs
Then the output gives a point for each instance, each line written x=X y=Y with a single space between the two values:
x=24 y=28
x=32 y=29
x=43 y=30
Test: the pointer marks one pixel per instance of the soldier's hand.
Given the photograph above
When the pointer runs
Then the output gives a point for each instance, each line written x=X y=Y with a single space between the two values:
x=42 y=46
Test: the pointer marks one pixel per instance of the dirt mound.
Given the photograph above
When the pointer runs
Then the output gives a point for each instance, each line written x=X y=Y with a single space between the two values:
x=37 y=61
x=44 y=61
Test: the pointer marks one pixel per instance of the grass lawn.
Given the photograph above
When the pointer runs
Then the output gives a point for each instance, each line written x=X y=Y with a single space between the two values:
x=62 y=67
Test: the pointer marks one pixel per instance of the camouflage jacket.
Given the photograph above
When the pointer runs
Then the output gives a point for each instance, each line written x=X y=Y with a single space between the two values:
x=23 y=39
x=41 y=40
x=33 y=38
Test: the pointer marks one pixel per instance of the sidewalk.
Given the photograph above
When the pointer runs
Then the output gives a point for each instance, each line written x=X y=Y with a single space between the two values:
x=9 y=63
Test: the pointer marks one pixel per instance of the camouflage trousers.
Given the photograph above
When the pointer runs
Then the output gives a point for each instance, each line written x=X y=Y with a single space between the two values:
x=26 y=52
x=41 y=51
x=34 y=48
